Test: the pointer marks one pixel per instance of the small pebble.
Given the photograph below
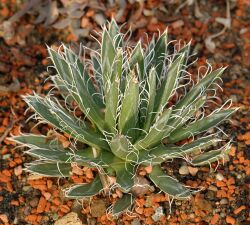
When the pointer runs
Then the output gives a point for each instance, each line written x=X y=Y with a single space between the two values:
x=141 y=186
x=177 y=24
x=234 y=98
x=224 y=201
x=70 y=218
x=92 y=221
x=222 y=215
x=99 y=19
x=230 y=220
x=16 y=221
x=178 y=203
x=27 y=210
x=98 y=208
x=148 y=202
x=183 y=170
x=158 y=214
x=4 y=218
x=193 y=170
x=55 y=216
x=219 y=177
x=210 y=195
x=213 y=188
x=192 y=216
x=147 y=12
x=136 y=222
x=239 y=176
x=6 y=156
x=26 y=188
x=18 y=170
x=47 y=195
x=34 y=202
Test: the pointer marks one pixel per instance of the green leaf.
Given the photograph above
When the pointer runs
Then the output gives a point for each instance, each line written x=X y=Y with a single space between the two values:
x=186 y=50
x=108 y=54
x=160 y=49
x=84 y=95
x=169 y=84
x=53 y=155
x=180 y=117
x=156 y=132
x=81 y=88
x=85 y=190
x=137 y=58
x=124 y=175
x=39 y=141
x=71 y=57
x=63 y=89
x=161 y=153
x=74 y=65
x=86 y=157
x=121 y=147
x=123 y=203
x=199 y=126
x=211 y=156
x=61 y=119
x=149 y=54
x=199 y=88
x=129 y=109
x=168 y=184
x=151 y=90
x=111 y=106
x=97 y=71
x=61 y=66
x=117 y=67
x=115 y=34
x=49 y=169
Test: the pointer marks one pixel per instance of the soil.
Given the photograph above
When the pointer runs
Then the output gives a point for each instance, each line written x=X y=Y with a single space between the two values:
x=27 y=199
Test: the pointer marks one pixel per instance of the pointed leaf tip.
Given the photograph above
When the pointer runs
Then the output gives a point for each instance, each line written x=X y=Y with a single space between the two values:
x=123 y=203
x=85 y=190
x=168 y=184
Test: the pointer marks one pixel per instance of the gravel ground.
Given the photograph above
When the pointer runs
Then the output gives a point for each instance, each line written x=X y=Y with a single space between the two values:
x=220 y=32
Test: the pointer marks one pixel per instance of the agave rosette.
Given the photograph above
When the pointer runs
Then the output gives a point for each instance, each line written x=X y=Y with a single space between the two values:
x=124 y=93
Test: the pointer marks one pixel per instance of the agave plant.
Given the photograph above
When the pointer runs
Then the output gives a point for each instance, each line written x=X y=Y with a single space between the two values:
x=128 y=96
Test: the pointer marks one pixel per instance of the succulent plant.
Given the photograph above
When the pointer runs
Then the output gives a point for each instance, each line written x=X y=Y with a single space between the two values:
x=132 y=116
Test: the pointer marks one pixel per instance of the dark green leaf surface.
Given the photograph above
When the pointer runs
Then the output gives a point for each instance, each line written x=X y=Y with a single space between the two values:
x=129 y=108
x=163 y=152
x=137 y=59
x=160 y=50
x=39 y=141
x=61 y=119
x=150 y=99
x=120 y=146
x=49 y=169
x=199 y=88
x=111 y=106
x=211 y=156
x=85 y=190
x=156 y=132
x=53 y=155
x=124 y=175
x=200 y=125
x=169 y=84
x=123 y=203
x=168 y=184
